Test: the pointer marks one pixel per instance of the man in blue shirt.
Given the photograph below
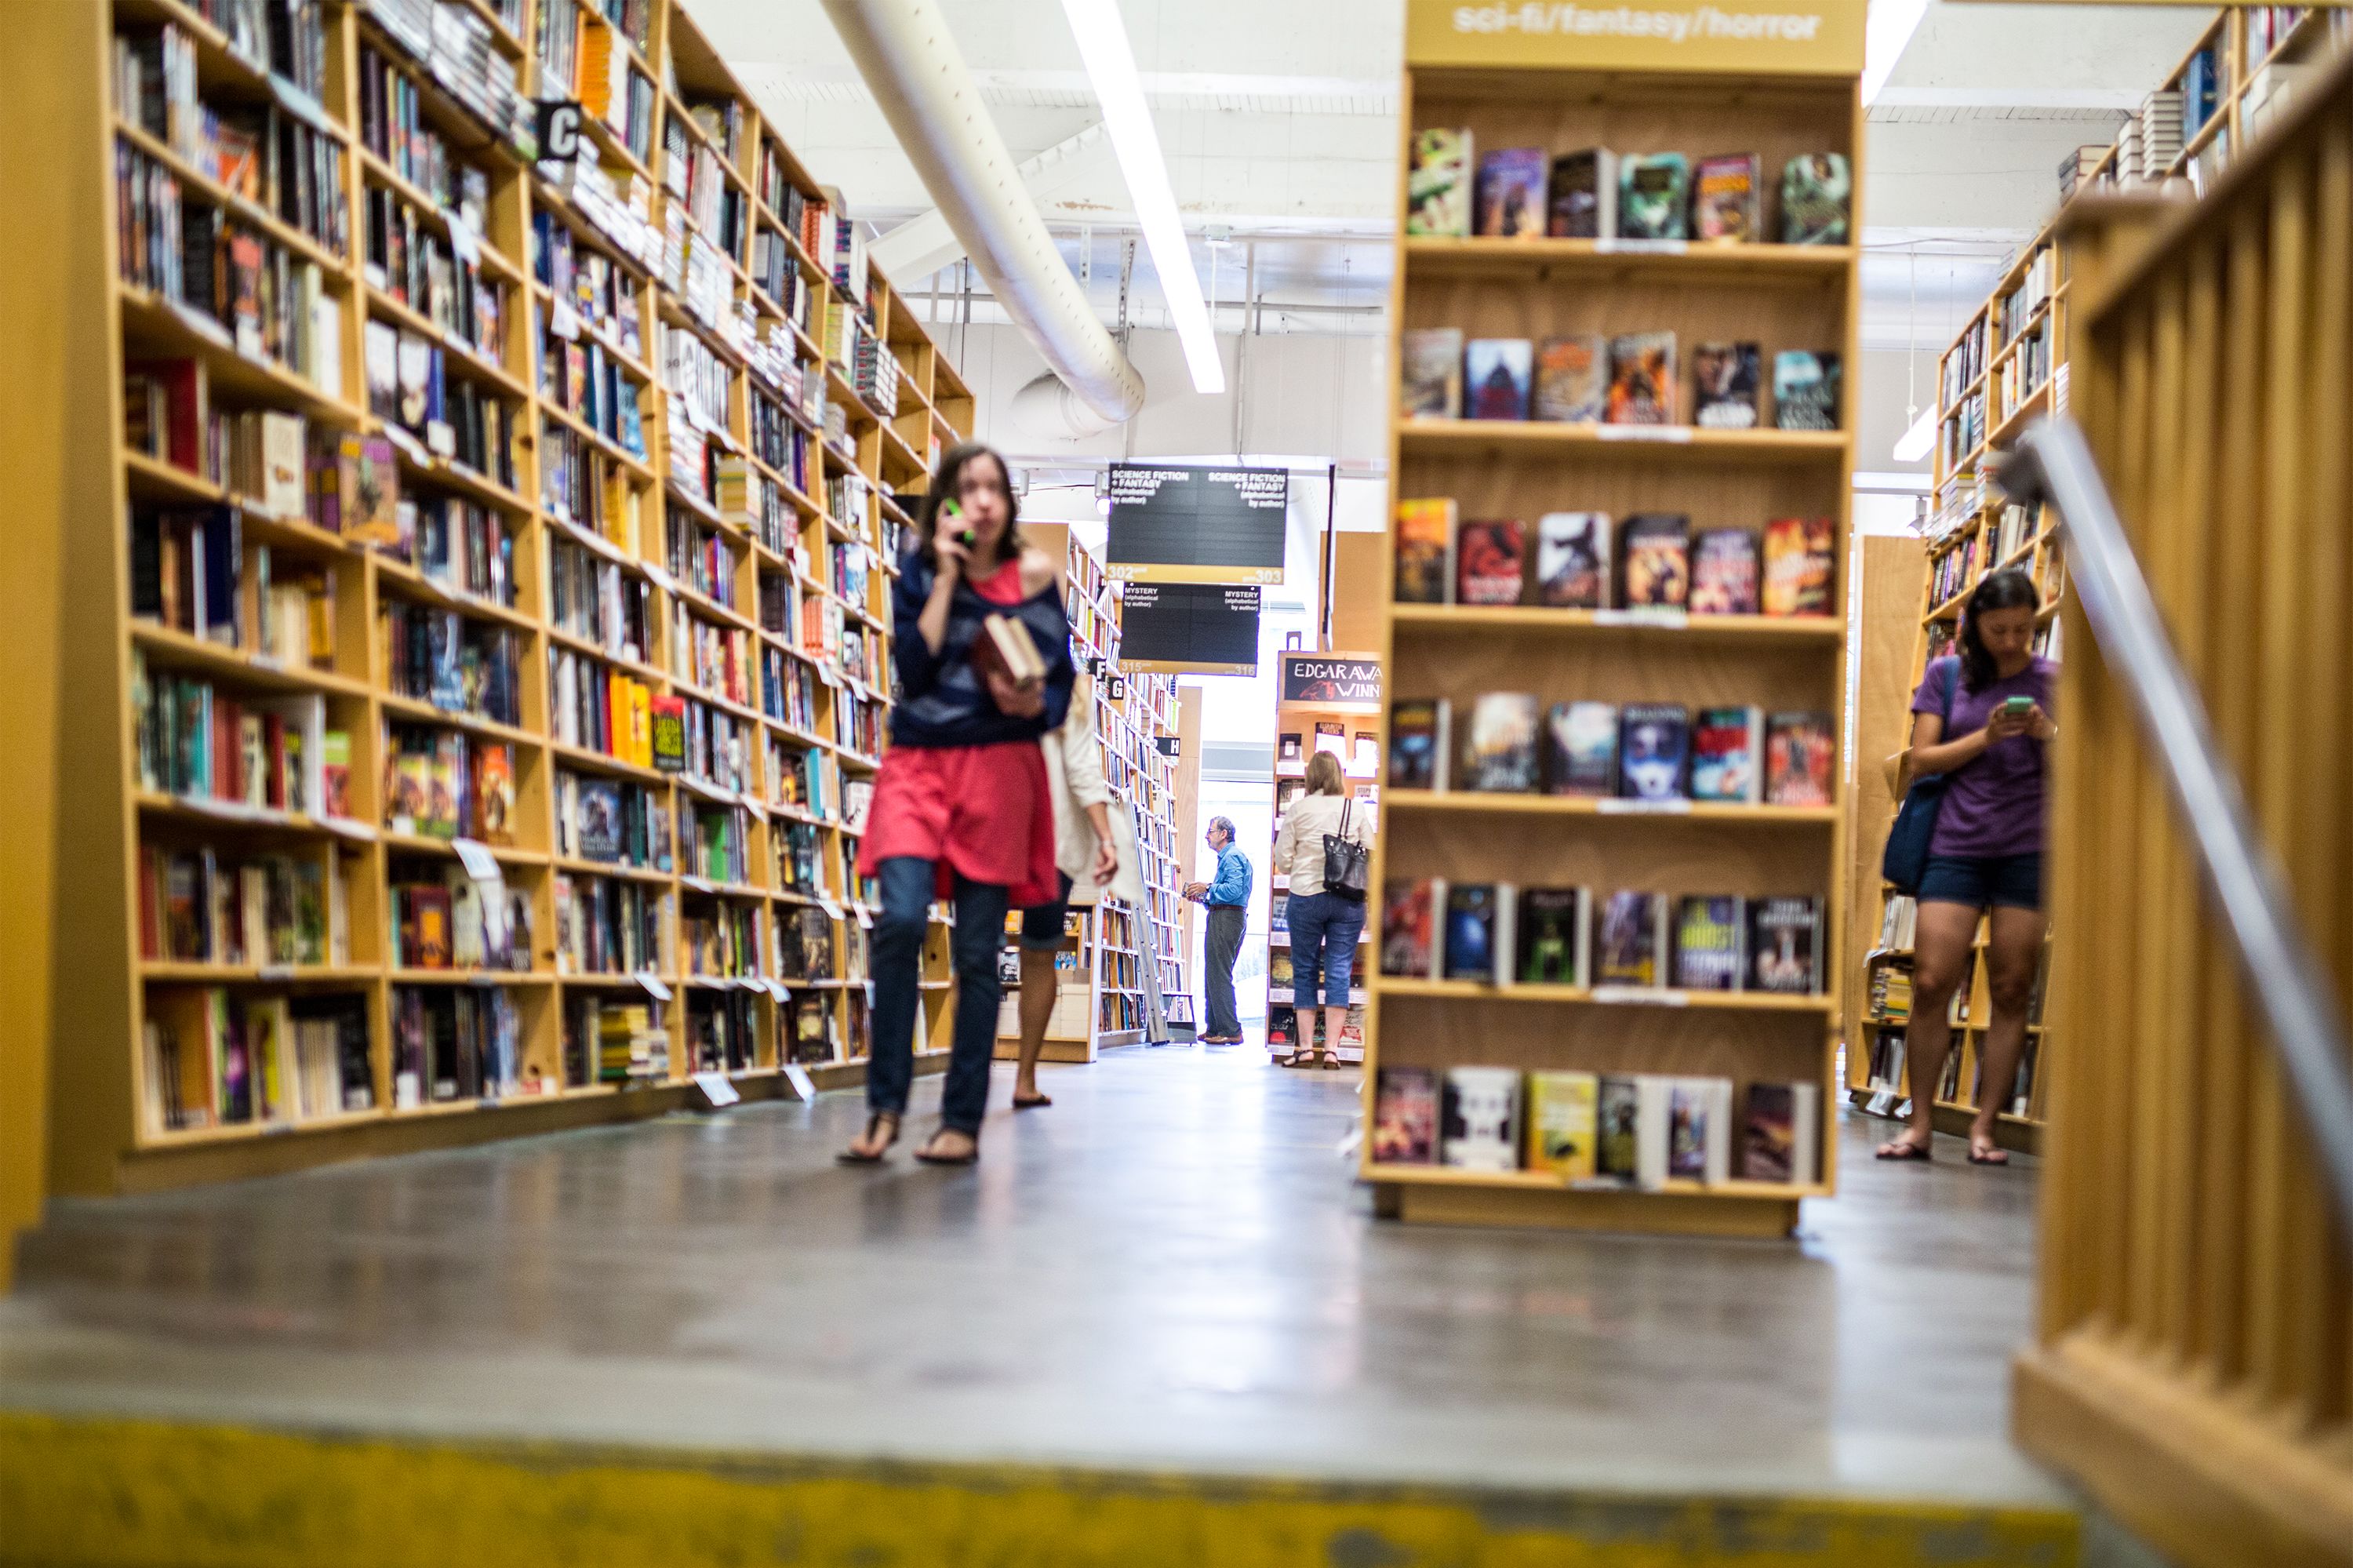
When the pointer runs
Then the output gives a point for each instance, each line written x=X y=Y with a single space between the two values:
x=1228 y=898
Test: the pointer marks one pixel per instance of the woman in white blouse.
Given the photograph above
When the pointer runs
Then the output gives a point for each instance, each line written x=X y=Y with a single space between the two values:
x=1324 y=926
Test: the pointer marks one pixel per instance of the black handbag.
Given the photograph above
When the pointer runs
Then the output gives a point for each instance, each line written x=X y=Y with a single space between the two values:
x=1347 y=865
x=1905 y=859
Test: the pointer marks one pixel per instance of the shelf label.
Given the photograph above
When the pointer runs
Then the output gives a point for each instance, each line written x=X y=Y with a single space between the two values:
x=441 y=438
x=1614 y=807
x=400 y=436
x=697 y=884
x=775 y=988
x=865 y=916
x=716 y=1089
x=1640 y=995
x=653 y=985
x=1674 y=435
x=277 y=971
x=825 y=900
x=1641 y=246
x=1665 y=616
x=463 y=240
x=797 y=1076
x=349 y=827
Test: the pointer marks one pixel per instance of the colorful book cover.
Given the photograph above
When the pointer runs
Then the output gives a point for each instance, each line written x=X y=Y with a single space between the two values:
x=1418 y=745
x=1654 y=561
x=1572 y=379
x=1797 y=749
x=1642 y=378
x=1480 y=1123
x=1410 y=918
x=1806 y=391
x=1798 y=567
x=1724 y=199
x=1512 y=181
x=1653 y=746
x=1405 y=1116
x=1781 y=1134
x=1626 y=940
x=494 y=802
x=1617 y=1113
x=1562 y=1130
x=1496 y=373
x=1816 y=191
x=1430 y=382
x=1550 y=935
x=1581 y=748
x=1502 y=751
x=1583 y=203
x=1725 y=743
x=1573 y=558
x=1724 y=385
x=1653 y=196
x=1723 y=573
x=1437 y=182
x=1785 y=945
x=1470 y=932
x=1425 y=551
x=1699 y=1137
x=1488 y=557
x=1709 y=930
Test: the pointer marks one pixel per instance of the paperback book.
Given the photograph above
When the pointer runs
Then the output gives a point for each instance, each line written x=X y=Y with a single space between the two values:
x=1798 y=567
x=1781 y=1134
x=1724 y=385
x=1405 y=1116
x=1581 y=748
x=1425 y=551
x=1630 y=940
x=1418 y=744
x=1487 y=557
x=1511 y=194
x=1562 y=1130
x=1573 y=560
x=1724 y=199
x=1431 y=377
x=1584 y=196
x=1710 y=931
x=1572 y=379
x=1699 y=1130
x=1816 y=191
x=1496 y=373
x=1723 y=573
x=1654 y=561
x=1551 y=935
x=1785 y=943
x=1728 y=745
x=1653 y=196
x=1437 y=182
x=1616 y=1116
x=1410 y=910
x=1642 y=378
x=1480 y=1124
x=1806 y=391
x=1797 y=749
x=1653 y=749
x=1470 y=914
x=1501 y=753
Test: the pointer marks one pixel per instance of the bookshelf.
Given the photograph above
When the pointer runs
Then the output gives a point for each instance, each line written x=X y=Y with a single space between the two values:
x=1307 y=706
x=615 y=665
x=1562 y=94
x=1104 y=999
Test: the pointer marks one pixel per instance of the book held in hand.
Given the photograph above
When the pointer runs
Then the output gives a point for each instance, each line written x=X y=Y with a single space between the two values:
x=1725 y=200
x=1806 y=391
x=1654 y=562
x=1798 y=567
x=1573 y=558
x=1584 y=196
x=1727 y=748
x=1581 y=748
x=1501 y=754
x=1438 y=182
x=1480 y=1124
x=1511 y=193
x=1418 y=744
x=1816 y=191
x=1797 y=748
x=1641 y=378
x=1562 y=1128
x=1710 y=931
x=1006 y=648
x=1488 y=557
x=1572 y=379
x=1724 y=385
x=1723 y=573
x=1496 y=373
x=1405 y=1116
x=1425 y=551
x=1785 y=944
x=1654 y=744
x=1653 y=196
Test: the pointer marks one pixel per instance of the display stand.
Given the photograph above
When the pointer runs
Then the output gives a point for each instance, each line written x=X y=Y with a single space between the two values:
x=646 y=410
x=1692 y=89
x=1335 y=696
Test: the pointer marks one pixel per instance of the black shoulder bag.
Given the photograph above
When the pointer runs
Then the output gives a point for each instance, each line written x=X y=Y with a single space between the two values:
x=1347 y=865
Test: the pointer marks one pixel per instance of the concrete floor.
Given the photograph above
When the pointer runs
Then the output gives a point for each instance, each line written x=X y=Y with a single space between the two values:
x=1170 y=1268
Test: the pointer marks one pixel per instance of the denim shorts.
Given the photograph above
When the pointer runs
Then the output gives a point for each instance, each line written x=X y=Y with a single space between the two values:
x=1042 y=924
x=2001 y=881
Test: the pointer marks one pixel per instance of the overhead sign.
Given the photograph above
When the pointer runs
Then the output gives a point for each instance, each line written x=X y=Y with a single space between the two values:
x=1804 y=37
x=1332 y=680
x=1197 y=524
x=1189 y=629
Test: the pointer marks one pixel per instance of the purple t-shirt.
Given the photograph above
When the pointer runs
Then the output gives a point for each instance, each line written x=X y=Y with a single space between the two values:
x=1994 y=804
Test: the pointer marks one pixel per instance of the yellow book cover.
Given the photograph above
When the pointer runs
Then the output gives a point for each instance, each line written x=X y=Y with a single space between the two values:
x=1424 y=542
x=641 y=724
x=616 y=715
x=1561 y=1128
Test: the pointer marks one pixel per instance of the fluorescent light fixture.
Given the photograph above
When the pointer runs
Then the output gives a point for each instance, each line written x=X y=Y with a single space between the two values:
x=1111 y=67
x=1914 y=444
x=1886 y=29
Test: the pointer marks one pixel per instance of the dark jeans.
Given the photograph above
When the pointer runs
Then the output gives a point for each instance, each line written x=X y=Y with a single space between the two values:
x=899 y=932
x=1323 y=932
x=1226 y=925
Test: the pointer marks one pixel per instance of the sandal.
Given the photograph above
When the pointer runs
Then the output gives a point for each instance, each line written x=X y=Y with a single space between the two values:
x=873 y=1122
x=1032 y=1103
x=1330 y=1061
x=1905 y=1148
x=1988 y=1156
x=968 y=1157
x=1302 y=1058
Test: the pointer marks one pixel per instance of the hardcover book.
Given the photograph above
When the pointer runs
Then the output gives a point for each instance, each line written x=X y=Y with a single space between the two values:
x=1291 y=751
x=1642 y=378
x=1584 y=196
x=1501 y=757
x=1709 y=931
x=1785 y=940
x=1550 y=934
x=1425 y=551
x=1419 y=735
x=1654 y=561
x=1653 y=743
x=1487 y=559
x=1797 y=749
x=1581 y=748
x=1405 y=1116
x=1410 y=910
x=1816 y=191
x=1724 y=385
x=1723 y=575
x=1806 y=391
x=1437 y=182
x=1798 y=567
x=1572 y=379
x=1726 y=747
x=1699 y=1130
x=1653 y=196
x=1512 y=181
x=1573 y=560
x=1431 y=377
x=1281 y=1028
x=1781 y=1134
x=1481 y=1118
x=1724 y=199
x=1627 y=939
x=1496 y=372
x=1471 y=931
x=1561 y=1126
x=1616 y=1112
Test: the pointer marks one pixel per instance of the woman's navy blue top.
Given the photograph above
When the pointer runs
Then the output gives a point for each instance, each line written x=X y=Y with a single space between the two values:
x=942 y=699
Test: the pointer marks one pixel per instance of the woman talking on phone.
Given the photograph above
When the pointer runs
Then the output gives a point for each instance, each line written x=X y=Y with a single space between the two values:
x=1982 y=720
x=962 y=806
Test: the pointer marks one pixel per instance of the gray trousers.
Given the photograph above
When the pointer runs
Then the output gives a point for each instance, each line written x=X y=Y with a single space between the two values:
x=1226 y=924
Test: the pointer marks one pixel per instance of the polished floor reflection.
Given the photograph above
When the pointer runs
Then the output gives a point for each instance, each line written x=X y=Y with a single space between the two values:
x=1169 y=1267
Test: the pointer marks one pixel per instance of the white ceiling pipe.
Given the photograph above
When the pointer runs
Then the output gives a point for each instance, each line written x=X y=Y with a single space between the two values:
x=920 y=82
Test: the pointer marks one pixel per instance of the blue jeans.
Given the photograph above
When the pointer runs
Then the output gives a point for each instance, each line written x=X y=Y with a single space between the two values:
x=1323 y=932
x=907 y=881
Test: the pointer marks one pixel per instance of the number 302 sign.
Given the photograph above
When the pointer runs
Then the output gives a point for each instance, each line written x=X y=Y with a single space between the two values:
x=558 y=129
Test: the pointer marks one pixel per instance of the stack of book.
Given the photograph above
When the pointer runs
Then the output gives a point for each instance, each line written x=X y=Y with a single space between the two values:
x=2160 y=127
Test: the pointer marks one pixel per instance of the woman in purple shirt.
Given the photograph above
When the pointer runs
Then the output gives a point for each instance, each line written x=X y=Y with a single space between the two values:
x=1994 y=699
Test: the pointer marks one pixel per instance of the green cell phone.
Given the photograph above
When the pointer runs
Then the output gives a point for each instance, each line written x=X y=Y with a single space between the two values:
x=965 y=537
x=2017 y=708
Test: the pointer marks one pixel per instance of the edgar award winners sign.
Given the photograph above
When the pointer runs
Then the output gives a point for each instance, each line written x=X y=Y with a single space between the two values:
x=1808 y=37
x=1197 y=524
x=1332 y=680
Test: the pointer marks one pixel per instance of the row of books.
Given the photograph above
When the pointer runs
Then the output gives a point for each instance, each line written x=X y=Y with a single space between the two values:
x=393 y=127
x=1631 y=379
x=411 y=261
x=588 y=289
x=1587 y=560
x=590 y=596
x=1604 y=1130
x=1524 y=193
x=1660 y=752
x=722 y=1031
x=1891 y=1094
x=611 y=821
x=410 y=388
x=458 y=664
x=723 y=939
x=446 y=784
x=196 y=906
x=607 y=925
x=266 y=754
x=1503 y=934
x=587 y=381
x=217 y=1059
x=454 y=46
x=454 y=1042
x=443 y=918
x=613 y=1039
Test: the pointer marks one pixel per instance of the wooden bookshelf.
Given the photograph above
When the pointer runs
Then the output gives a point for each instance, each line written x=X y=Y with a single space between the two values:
x=1302 y=703
x=1529 y=89
x=703 y=419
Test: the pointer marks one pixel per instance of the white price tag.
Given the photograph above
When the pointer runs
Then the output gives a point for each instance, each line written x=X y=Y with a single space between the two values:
x=564 y=320
x=1641 y=246
x=349 y=828
x=662 y=578
x=1643 y=995
x=476 y=857
x=1663 y=616
x=697 y=884
x=653 y=985
x=830 y=907
x=400 y=436
x=1617 y=807
x=716 y=1089
x=463 y=241
x=797 y=1076
x=1676 y=434
x=441 y=438
x=865 y=916
x=277 y=971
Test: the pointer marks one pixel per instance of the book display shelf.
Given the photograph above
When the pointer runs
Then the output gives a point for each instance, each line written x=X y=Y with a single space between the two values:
x=1485 y=1097
x=2008 y=367
x=1104 y=996
x=1309 y=715
x=493 y=661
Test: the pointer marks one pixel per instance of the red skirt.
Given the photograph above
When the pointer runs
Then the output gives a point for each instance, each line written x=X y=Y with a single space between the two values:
x=982 y=810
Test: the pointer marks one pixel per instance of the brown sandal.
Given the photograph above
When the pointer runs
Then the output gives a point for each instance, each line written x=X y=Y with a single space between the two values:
x=1032 y=1103
x=875 y=1120
x=970 y=1156
x=1905 y=1148
x=1330 y=1061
